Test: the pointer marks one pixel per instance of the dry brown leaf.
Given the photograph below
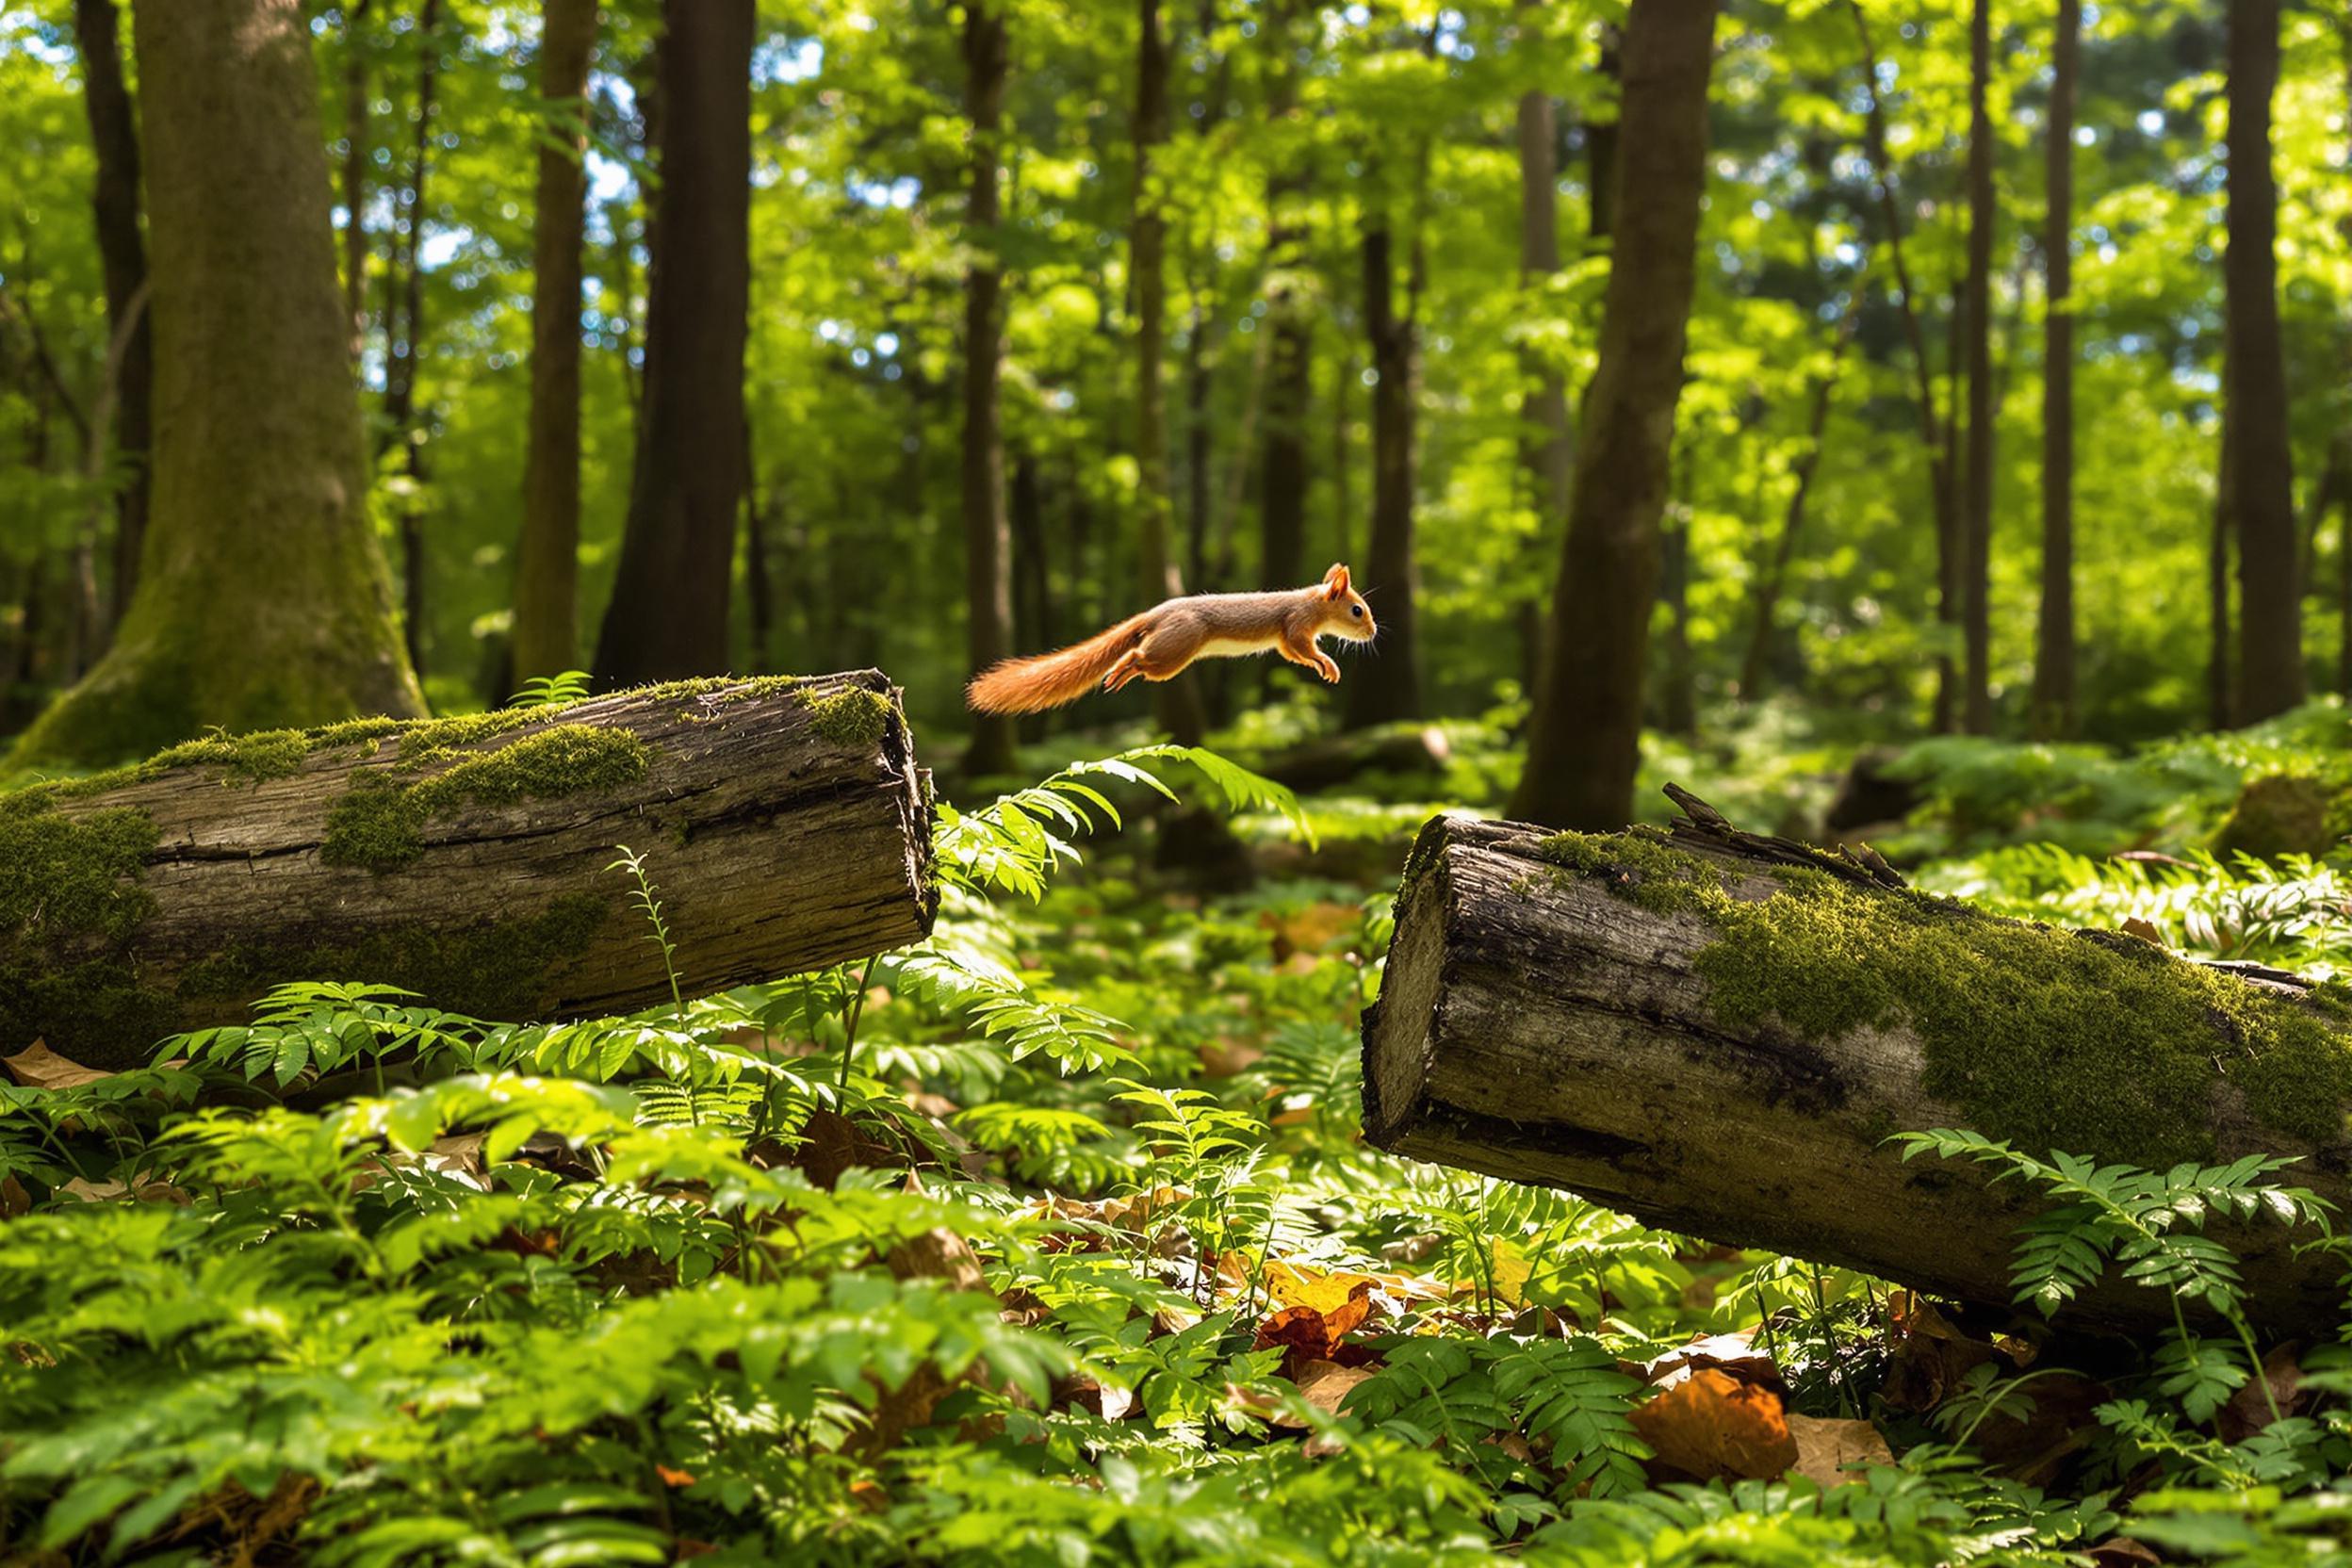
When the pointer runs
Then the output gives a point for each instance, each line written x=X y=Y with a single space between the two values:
x=673 y=1477
x=938 y=1253
x=2248 y=1410
x=2145 y=930
x=1827 y=1445
x=14 y=1199
x=1224 y=1056
x=1735 y=1353
x=1710 y=1423
x=2121 y=1551
x=1311 y=929
x=1307 y=1335
x=2032 y=1449
x=1930 y=1355
x=36 y=1067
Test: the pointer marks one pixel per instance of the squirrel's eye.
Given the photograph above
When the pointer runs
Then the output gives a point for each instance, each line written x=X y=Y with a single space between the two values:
x=1357 y=610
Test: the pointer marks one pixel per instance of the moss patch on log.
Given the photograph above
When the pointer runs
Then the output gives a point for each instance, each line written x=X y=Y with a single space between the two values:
x=70 y=897
x=499 y=970
x=2051 y=1039
x=852 y=716
x=380 y=824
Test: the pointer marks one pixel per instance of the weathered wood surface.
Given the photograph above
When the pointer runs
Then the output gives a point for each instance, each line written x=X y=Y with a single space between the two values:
x=1536 y=1026
x=785 y=822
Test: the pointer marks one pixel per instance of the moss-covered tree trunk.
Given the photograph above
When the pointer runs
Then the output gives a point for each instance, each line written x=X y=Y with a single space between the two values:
x=784 y=822
x=1716 y=1033
x=263 y=598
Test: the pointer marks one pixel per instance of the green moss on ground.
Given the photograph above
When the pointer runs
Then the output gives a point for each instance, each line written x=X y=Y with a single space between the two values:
x=853 y=716
x=2051 y=1039
x=380 y=824
x=497 y=970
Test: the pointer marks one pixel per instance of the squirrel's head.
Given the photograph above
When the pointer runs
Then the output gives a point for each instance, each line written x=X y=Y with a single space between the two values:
x=1345 y=614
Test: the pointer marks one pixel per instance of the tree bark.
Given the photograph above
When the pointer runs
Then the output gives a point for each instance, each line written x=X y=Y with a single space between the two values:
x=1546 y=452
x=1586 y=731
x=1289 y=390
x=2261 y=475
x=265 y=599
x=1547 y=1018
x=1177 y=702
x=405 y=332
x=987 y=538
x=1933 y=430
x=1976 y=308
x=1391 y=691
x=668 y=615
x=2053 y=659
x=1421 y=750
x=785 y=825
x=2220 y=690
x=356 y=121
x=123 y=258
x=547 y=555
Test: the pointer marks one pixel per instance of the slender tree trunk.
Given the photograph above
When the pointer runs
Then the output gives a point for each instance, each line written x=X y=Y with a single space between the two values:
x=1390 y=690
x=668 y=616
x=1546 y=448
x=758 y=576
x=1753 y=668
x=1282 y=470
x=1032 y=594
x=260 y=521
x=1678 y=704
x=1976 y=491
x=122 y=257
x=2220 y=690
x=546 y=557
x=2259 y=475
x=2053 y=661
x=1176 y=703
x=1343 y=458
x=356 y=122
x=405 y=331
x=1585 y=739
x=987 y=541
x=1933 y=432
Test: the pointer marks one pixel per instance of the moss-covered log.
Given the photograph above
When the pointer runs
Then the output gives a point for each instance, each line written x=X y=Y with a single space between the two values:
x=1716 y=1033
x=784 y=822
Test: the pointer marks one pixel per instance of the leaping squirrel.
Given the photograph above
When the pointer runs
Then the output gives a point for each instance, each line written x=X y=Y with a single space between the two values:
x=1159 y=642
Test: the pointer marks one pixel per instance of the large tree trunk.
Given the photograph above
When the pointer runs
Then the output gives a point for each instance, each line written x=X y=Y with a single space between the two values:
x=356 y=121
x=1719 y=1042
x=1976 y=309
x=1177 y=702
x=547 y=556
x=784 y=823
x=668 y=615
x=122 y=257
x=1390 y=691
x=987 y=538
x=2053 y=654
x=2261 y=473
x=1586 y=735
x=265 y=599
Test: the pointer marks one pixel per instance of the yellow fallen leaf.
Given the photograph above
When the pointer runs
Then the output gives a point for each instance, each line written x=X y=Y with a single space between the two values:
x=1828 y=1446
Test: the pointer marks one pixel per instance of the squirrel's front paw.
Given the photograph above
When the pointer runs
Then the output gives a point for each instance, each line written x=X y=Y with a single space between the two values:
x=1330 y=673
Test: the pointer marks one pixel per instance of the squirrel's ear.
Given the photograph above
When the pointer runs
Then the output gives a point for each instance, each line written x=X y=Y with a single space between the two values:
x=1335 y=583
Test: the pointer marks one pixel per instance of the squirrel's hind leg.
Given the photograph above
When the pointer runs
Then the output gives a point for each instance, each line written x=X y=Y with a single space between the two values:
x=1129 y=666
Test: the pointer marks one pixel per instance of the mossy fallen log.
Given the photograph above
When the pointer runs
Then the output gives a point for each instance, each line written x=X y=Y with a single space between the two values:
x=784 y=822
x=1717 y=1031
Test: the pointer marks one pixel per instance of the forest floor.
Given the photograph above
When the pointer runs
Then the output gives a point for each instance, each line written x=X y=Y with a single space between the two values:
x=1054 y=1240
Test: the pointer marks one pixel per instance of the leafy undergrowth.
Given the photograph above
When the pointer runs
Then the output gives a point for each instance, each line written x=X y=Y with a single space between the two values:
x=1051 y=1241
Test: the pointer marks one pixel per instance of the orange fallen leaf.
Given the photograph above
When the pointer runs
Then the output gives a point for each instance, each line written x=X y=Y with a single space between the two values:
x=1826 y=1447
x=673 y=1477
x=1710 y=1423
x=1293 y=1286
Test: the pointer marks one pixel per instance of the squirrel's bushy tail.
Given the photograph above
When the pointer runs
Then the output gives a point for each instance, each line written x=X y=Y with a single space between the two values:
x=1050 y=680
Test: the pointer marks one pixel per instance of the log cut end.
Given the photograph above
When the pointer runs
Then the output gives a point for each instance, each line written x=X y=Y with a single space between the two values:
x=1717 y=1033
